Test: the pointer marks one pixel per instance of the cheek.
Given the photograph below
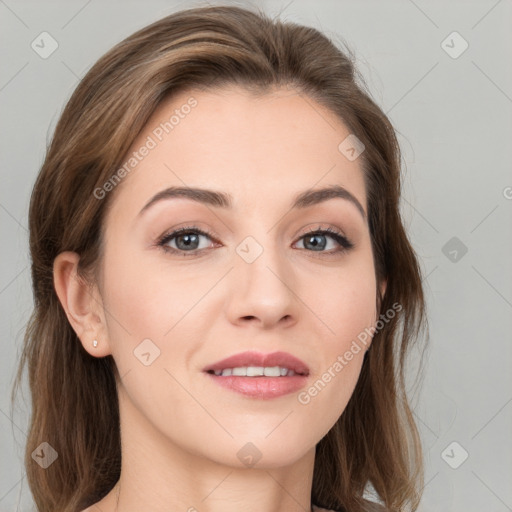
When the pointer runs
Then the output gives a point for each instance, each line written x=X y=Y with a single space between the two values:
x=346 y=308
x=139 y=304
x=147 y=298
x=345 y=302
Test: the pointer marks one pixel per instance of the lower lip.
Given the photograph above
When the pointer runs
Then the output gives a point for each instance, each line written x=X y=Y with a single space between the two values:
x=261 y=387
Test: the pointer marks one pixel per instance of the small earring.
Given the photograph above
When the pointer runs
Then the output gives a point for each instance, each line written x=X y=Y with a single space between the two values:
x=95 y=343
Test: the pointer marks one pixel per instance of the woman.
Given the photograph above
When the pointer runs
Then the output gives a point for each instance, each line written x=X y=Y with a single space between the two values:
x=216 y=245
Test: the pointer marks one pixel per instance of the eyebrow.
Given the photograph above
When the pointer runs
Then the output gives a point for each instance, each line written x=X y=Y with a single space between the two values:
x=223 y=200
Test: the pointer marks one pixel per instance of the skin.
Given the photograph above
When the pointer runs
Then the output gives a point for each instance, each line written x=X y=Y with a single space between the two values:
x=181 y=432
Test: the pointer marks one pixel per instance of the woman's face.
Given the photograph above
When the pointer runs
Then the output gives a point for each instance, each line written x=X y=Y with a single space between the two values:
x=256 y=281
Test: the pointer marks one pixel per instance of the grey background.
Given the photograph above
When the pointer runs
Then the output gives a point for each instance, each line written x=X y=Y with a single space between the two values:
x=455 y=124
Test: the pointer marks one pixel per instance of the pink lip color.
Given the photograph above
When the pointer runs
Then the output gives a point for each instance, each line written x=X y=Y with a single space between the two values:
x=261 y=387
x=252 y=358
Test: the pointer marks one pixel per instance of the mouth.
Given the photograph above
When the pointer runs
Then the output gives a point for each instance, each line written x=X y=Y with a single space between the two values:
x=255 y=371
x=262 y=376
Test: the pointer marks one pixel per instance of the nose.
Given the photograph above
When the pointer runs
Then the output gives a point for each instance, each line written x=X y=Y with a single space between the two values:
x=262 y=292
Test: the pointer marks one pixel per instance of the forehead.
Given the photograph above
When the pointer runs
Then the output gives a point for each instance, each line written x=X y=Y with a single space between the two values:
x=261 y=149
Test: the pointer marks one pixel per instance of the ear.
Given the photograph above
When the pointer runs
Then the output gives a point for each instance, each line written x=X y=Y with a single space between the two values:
x=82 y=304
x=383 y=284
x=383 y=287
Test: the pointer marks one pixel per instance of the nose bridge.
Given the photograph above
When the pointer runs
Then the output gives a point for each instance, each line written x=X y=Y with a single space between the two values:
x=261 y=260
x=262 y=280
x=260 y=246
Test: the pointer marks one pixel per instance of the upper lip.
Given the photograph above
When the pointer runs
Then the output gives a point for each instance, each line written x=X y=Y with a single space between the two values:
x=251 y=358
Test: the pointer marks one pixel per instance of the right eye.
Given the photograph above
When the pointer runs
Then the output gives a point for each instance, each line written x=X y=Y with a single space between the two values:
x=186 y=239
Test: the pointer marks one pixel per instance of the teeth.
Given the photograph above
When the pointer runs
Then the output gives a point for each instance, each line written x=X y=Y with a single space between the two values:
x=275 y=371
x=256 y=371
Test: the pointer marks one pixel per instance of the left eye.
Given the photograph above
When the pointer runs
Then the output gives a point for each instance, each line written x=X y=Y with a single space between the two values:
x=318 y=241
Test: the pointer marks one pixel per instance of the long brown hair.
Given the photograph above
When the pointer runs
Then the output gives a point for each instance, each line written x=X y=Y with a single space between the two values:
x=375 y=442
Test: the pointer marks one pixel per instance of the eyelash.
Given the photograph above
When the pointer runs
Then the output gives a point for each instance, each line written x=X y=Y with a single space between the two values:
x=345 y=244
